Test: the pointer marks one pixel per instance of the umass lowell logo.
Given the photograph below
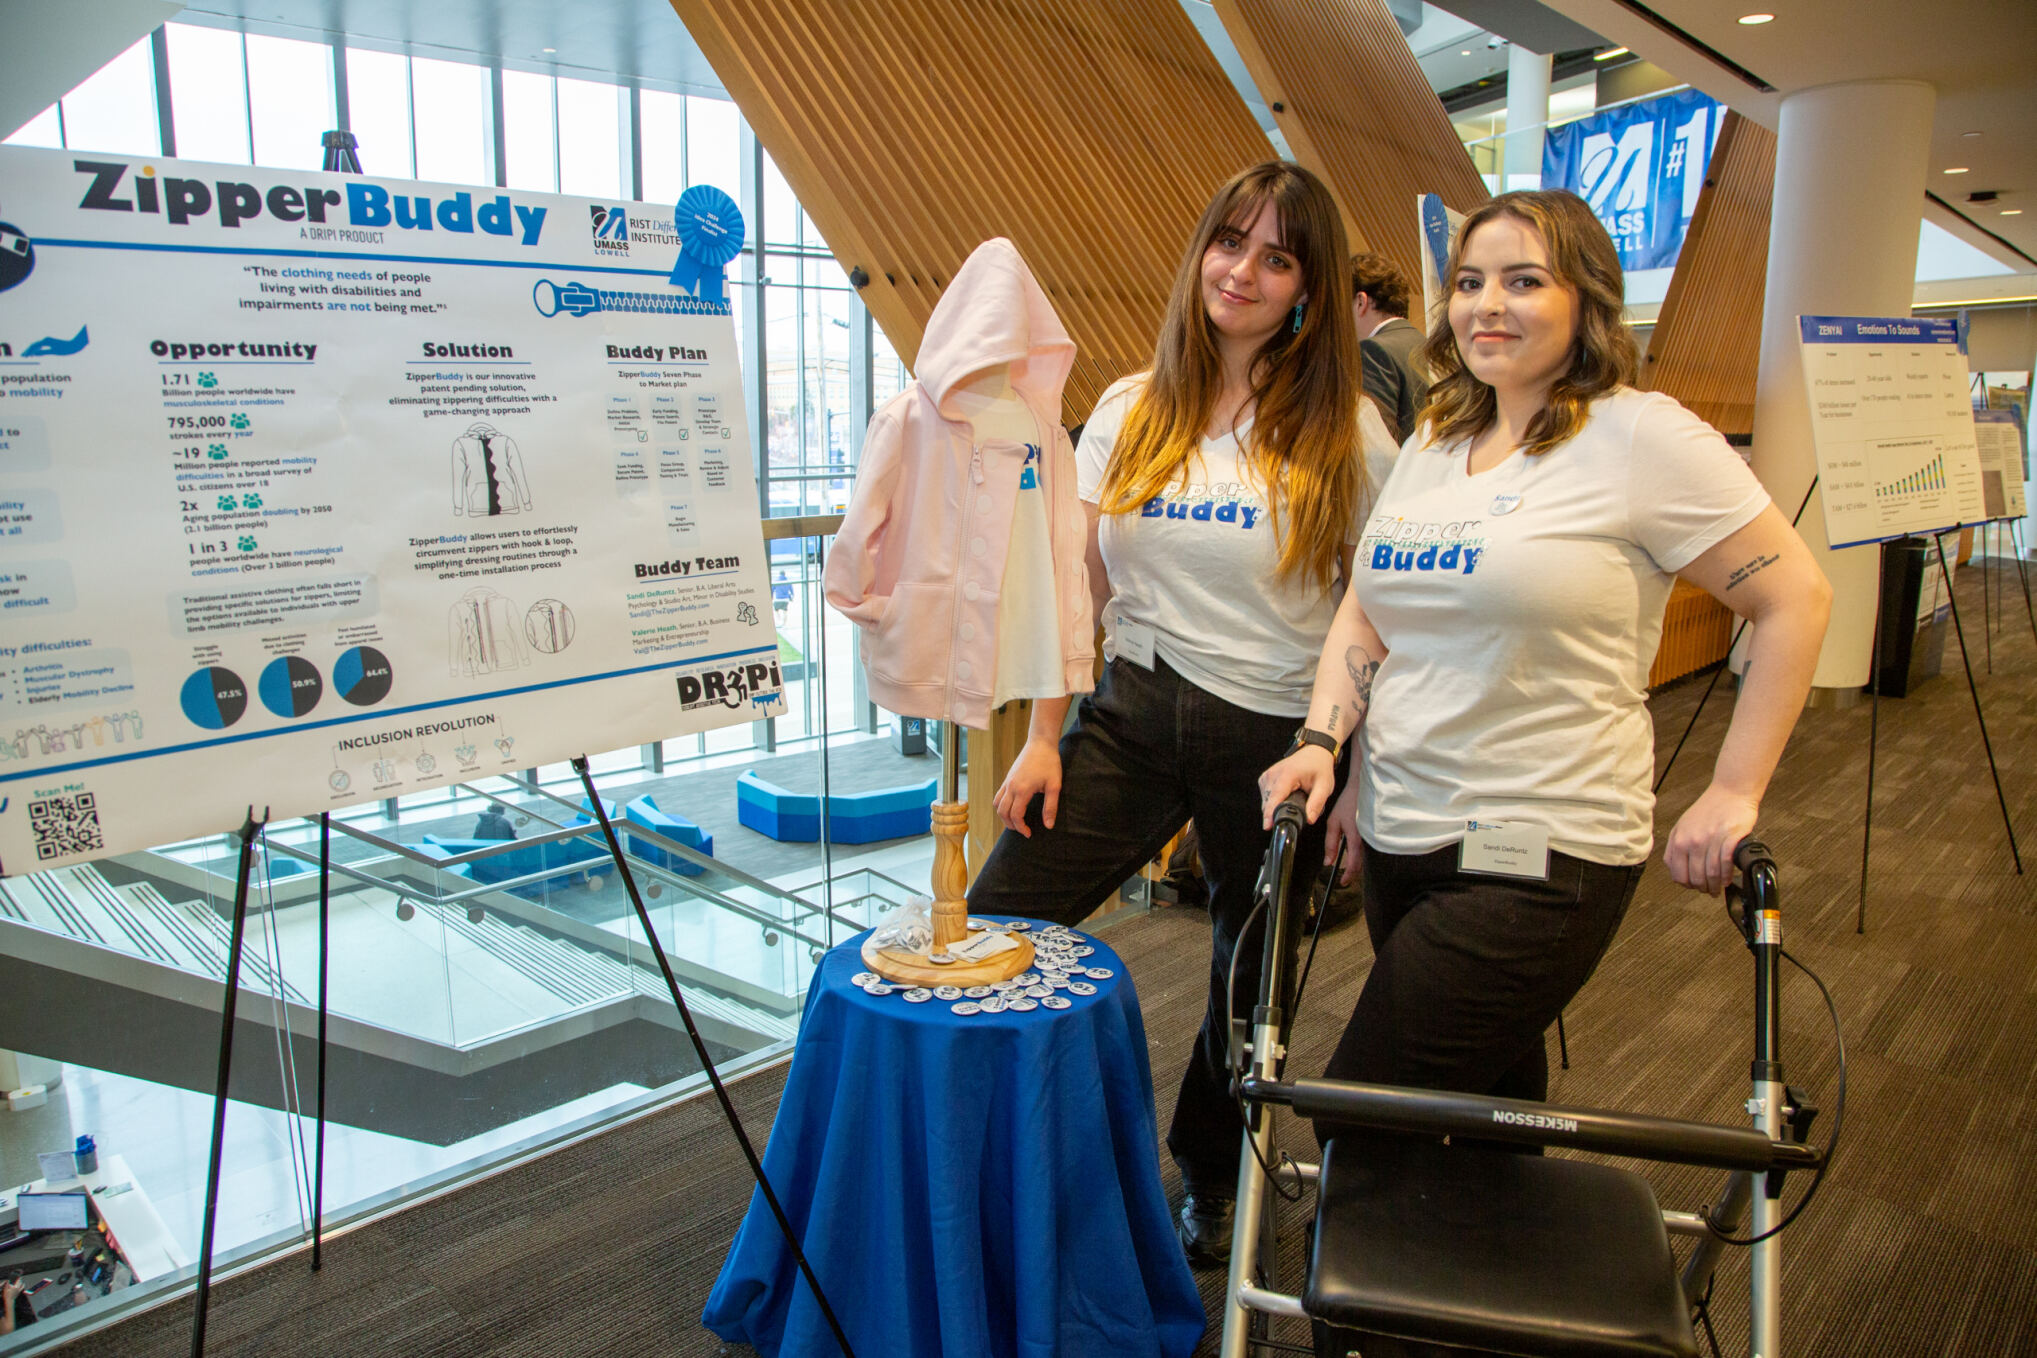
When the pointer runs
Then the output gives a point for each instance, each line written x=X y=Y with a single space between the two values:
x=610 y=226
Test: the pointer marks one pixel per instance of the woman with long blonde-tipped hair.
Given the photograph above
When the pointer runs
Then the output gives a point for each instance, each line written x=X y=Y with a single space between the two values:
x=1226 y=487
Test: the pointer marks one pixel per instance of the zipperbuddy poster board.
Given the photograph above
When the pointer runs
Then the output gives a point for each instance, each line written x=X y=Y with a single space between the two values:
x=1998 y=434
x=316 y=489
x=1892 y=426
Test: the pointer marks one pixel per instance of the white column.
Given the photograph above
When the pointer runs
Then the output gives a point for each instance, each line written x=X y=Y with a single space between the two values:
x=1527 y=107
x=1850 y=168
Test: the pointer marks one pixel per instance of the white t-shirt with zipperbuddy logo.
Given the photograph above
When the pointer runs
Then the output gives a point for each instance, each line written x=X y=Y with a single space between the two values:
x=1197 y=565
x=1521 y=609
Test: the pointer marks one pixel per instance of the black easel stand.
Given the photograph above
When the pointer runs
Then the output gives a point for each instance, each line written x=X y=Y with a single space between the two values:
x=1945 y=572
x=1873 y=731
x=324 y=952
x=247 y=832
x=1966 y=661
x=728 y=1106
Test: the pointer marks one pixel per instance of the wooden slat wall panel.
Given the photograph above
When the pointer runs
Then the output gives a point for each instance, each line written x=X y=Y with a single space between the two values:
x=1357 y=110
x=1696 y=630
x=1090 y=133
x=1707 y=344
x=1707 y=339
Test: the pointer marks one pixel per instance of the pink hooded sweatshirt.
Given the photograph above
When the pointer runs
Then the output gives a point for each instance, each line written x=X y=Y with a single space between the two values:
x=919 y=561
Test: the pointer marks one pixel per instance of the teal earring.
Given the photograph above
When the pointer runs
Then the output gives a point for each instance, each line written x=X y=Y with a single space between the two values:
x=1299 y=309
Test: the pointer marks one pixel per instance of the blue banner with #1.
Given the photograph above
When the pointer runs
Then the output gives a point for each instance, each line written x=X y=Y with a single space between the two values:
x=1641 y=168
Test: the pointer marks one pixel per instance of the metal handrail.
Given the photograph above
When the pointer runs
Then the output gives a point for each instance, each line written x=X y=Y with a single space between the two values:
x=690 y=854
x=588 y=831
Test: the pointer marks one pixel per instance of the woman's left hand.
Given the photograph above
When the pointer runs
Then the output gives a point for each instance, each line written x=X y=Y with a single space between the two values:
x=1699 y=853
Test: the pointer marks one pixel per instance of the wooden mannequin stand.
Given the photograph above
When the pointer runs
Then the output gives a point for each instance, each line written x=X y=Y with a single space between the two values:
x=951 y=909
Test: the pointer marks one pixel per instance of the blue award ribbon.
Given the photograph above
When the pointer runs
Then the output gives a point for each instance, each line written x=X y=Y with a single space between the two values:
x=710 y=228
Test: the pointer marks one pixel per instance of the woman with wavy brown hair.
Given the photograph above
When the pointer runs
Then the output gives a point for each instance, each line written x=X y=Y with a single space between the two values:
x=1492 y=659
x=1226 y=489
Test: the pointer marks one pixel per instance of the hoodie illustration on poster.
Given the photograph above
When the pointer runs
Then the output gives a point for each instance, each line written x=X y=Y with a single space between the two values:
x=966 y=496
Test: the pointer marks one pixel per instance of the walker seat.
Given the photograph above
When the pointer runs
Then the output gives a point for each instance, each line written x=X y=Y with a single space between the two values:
x=1408 y=1244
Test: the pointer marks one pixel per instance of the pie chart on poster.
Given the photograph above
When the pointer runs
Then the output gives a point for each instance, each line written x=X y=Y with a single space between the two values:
x=213 y=698
x=362 y=676
x=290 y=686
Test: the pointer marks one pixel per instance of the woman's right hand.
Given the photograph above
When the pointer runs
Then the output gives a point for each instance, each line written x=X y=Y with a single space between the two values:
x=1036 y=771
x=1311 y=768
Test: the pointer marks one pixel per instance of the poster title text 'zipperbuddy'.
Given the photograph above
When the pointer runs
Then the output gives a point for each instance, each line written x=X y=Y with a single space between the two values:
x=182 y=201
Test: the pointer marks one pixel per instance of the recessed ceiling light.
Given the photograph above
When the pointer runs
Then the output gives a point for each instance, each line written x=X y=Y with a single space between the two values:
x=1610 y=53
x=1974 y=133
x=550 y=51
x=1957 y=169
x=1465 y=53
x=2012 y=212
x=1752 y=19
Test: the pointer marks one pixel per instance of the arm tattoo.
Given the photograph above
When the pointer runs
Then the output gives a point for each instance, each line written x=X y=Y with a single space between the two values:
x=1359 y=664
x=1335 y=714
x=1752 y=568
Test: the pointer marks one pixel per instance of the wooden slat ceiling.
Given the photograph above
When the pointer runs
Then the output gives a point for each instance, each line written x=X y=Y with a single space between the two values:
x=1707 y=340
x=1357 y=110
x=1090 y=133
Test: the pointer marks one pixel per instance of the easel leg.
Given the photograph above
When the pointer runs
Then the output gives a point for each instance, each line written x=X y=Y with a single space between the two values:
x=1987 y=619
x=1973 y=689
x=1873 y=732
x=324 y=953
x=728 y=1107
x=247 y=832
x=2016 y=533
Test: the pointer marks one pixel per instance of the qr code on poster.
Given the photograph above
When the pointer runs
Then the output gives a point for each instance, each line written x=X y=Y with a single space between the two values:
x=65 y=825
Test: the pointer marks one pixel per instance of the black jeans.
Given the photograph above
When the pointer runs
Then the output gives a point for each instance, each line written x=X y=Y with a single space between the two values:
x=1150 y=750
x=1470 y=970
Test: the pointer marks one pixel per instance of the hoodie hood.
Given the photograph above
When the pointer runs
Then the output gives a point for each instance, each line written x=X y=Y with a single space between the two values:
x=995 y=314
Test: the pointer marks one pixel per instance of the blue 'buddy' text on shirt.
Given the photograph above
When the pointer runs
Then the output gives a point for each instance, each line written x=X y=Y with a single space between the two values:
x=1202 y=511
x=1029 y=475
x=1453 y=557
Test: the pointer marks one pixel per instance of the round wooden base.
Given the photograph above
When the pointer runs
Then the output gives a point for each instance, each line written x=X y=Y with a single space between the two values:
x=910 y=968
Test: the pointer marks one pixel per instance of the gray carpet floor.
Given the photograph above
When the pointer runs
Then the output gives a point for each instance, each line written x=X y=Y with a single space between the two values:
x=1923 y=1241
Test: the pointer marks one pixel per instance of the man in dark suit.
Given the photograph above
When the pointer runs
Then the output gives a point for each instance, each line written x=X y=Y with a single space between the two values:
x=1387 y=341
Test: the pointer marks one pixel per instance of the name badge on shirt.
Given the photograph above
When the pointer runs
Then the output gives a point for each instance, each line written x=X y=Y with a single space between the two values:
x=1135 y=642
x=1504 y=849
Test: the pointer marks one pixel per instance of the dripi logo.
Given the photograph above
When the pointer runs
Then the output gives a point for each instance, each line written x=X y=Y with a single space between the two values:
x=757 y=684
x=610 y=226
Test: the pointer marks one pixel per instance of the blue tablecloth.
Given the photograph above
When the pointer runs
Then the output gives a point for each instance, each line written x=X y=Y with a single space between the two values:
x=979 y=1187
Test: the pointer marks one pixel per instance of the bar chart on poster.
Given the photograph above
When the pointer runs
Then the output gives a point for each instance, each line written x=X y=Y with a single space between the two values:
x=1892 y=425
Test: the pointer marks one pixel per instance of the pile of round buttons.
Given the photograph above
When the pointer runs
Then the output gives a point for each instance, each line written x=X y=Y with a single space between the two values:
x=1058 y=972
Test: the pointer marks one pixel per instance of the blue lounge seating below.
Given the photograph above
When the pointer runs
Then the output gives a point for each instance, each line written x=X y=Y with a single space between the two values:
x=522 y=861
x=853 y=817
x=643 y=811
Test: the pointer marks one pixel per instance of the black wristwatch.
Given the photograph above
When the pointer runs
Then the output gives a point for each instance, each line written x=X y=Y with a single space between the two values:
x=1308 y=736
